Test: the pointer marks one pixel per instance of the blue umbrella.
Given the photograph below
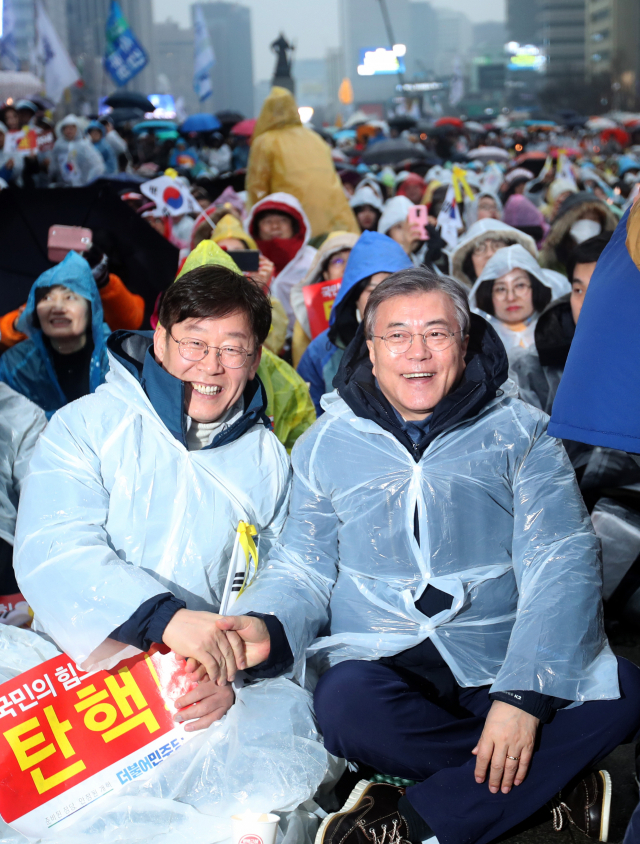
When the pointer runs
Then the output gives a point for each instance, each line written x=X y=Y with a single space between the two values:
x=200 y=123
x=148 y=125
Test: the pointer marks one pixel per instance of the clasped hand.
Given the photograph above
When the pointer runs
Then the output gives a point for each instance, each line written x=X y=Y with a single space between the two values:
x=222 y=645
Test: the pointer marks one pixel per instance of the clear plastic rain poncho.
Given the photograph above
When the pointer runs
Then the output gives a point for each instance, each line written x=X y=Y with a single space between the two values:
x=503 y=531
x=21 y=422
x=502 y=262
x=115 y=511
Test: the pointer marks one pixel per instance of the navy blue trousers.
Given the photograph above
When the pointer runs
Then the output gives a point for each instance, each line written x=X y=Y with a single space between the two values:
x=370 y=714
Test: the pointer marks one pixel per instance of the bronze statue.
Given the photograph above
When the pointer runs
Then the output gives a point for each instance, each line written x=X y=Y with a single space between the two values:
x=282 y=74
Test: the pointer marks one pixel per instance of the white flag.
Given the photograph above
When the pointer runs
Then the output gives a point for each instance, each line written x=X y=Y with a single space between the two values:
x=57 y=68
x=456 y=89
x=8 y=50
x=204 y=58
x=449 y=219
x=172 y=198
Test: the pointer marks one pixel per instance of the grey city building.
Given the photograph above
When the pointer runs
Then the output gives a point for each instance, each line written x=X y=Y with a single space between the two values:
x=173 y=56
x=415 y=24
x=522 y=21
x=561 y=28
x=229 y=26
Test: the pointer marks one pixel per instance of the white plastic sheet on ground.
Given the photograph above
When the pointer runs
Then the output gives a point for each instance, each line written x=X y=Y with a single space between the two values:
x=264 y=755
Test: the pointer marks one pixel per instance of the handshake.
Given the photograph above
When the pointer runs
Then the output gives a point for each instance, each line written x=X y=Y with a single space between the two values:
x=218 y=645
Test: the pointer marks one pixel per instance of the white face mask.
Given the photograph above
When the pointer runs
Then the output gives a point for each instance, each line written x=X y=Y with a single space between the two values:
x=584 y=229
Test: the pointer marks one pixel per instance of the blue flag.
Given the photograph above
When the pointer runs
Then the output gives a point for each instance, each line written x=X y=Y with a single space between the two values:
x=124 y=56
x=204 y=58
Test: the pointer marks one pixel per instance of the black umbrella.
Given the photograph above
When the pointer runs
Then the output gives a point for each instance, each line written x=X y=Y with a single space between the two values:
x=402 y=122
x=393 y=151
x=144 y=260
x=120 y=116
x=214 y=187
x=129 y=99
x=229 y=117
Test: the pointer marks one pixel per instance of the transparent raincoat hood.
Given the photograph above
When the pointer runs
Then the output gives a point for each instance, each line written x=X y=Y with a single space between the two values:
x=478 y=232
x=517 y=257
x=27 y=367
x=502 y=529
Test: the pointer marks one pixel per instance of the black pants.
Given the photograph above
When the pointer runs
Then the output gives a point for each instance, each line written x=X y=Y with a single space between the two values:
x=369 y=714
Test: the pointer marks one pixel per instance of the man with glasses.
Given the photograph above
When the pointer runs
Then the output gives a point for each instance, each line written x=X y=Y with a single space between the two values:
x=166 y=444
x=439 y=567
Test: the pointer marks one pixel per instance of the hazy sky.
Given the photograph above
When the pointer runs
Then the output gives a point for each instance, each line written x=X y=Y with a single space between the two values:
x=311 y=24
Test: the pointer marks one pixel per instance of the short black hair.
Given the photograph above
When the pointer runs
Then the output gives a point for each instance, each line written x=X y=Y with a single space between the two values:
x=216 y=292
x=587 y=252
x=540 y=295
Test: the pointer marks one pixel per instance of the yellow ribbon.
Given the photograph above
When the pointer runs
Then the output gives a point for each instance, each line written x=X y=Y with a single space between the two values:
x=460 y=178
x=246 y=532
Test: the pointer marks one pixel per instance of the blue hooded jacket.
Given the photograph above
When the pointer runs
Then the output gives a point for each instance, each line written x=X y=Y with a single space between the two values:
x=598 y=400
x=373 y=253
x=104 y=148
x=28 y=367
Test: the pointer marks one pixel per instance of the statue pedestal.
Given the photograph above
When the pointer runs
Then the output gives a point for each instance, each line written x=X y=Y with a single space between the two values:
x=284 y=82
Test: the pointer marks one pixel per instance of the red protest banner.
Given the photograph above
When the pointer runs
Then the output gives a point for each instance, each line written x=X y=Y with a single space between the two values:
x=68 y=737
x=14 y=610
x=319 y=299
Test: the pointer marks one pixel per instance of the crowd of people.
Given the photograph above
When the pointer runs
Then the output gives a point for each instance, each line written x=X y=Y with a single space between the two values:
x=358 y=361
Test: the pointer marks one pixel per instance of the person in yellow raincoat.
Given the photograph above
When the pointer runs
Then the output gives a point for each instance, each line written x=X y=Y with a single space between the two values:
x=230 y=235
x=288 y=158
x=289 y=404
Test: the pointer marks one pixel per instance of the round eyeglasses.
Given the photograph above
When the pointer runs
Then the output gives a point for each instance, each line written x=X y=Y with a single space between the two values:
x=231 y=357
x=436 y=340
x=501 y=291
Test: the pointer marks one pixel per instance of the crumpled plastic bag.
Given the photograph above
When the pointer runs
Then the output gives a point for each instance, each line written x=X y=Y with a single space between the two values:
x=264 y=755
x=618 y=528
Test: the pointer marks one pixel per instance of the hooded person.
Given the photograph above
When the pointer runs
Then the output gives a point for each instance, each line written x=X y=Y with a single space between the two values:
x=328 y=264
x=559 y=190
x=21 y=423
x=373 y=258
x=156 y=476
x=482 y=240
x=65 y=355
x=486 y=204
x=11 y=163
x=580 y=217
x=281 y=229
x=511 y=293
x=289 y=406
x=394 y=223
x=288 y=158
x=96 y=133
x=230 y=235
x=75 y=162
x=438 y=563
x=366 y=204
x=413 y=187
x=522 y=214
x=121 y=308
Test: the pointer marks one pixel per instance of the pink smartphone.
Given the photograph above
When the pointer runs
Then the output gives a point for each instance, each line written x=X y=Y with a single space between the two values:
x=419 y=216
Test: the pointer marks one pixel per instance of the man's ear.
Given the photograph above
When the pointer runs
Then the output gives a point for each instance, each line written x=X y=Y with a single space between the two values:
x=465 y=346
x=159 y=343
x=255 y=363
x=372 y=355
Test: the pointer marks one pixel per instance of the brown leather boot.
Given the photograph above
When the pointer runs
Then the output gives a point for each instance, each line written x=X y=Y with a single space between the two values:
x=586 y=804
x=370 y=816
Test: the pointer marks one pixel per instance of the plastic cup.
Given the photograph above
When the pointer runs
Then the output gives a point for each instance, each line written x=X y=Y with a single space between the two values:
x=254 y=828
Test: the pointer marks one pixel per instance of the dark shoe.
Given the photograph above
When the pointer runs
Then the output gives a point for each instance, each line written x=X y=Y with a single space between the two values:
x=587 y=805
x=370 y=816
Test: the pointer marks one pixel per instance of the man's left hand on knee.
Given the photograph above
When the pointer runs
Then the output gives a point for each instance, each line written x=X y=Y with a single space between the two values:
x=505 y=747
